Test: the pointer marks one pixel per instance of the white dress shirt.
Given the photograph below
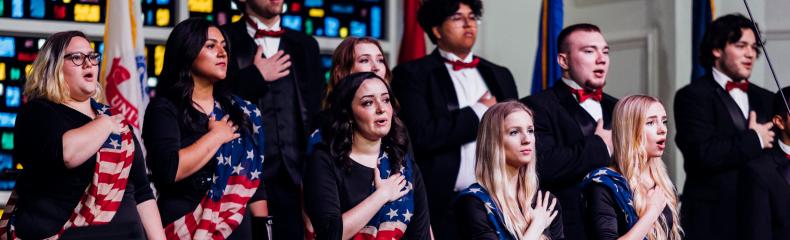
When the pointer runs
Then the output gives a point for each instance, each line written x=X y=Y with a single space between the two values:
x=785 y=148
x=591 y=106
x=270 y=44
x=469 y=88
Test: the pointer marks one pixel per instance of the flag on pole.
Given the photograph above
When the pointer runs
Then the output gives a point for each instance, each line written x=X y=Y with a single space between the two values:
x=702 y=16
x=547 y=70
x=412 y=45
x=123 y=68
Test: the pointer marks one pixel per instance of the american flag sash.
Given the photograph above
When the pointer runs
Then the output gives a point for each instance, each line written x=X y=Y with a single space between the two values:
x=104 y=195
x=393 y=218
x=494 y=215
x=238 y=174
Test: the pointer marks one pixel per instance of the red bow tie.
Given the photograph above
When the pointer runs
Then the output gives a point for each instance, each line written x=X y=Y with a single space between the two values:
x=458 y=65
x=787 y=156
x=743 y=85
x=583 y=95
x=264 y=33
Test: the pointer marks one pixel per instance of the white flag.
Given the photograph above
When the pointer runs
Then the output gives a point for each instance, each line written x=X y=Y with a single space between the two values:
x=123 y=61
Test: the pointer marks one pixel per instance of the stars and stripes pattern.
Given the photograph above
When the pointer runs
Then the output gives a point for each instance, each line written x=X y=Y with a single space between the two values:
x=620 y=189
x=238 y=174
x=393 y=218
x=494 y=215
x=103 y=196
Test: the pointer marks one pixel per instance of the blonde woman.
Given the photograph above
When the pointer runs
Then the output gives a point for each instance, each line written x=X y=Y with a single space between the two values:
x=505 y=202
x=633 y=198
x=84 y=175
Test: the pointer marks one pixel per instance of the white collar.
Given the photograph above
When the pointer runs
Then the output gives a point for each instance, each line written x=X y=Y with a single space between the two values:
x=571 y=84
x=785 y=148
x=262 y=26
x=452 y=57
x=720 y=77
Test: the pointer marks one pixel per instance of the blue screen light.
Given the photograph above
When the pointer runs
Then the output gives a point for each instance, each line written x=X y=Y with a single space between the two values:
x=7 y=119
x=358 y=29
x=313 y=3
x=331 y=26
x=375 y=22
x=342 y=9
x=292 y=22
x=7 y=47
x=13 y=96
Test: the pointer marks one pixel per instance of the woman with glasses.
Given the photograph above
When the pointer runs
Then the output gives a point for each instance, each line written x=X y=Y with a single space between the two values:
x=84 y=174
x=205 y=146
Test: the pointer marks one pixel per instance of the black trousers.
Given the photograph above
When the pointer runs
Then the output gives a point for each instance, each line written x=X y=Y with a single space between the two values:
x=285 y=206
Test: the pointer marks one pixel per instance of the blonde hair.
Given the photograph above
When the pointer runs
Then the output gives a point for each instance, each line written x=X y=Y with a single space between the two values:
x=45 y=79
x=491 y=169
x=630 y=159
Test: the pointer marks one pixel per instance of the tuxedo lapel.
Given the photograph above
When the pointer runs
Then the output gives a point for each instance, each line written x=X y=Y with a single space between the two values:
x=732 y=108
x=755 y=103
x=583 y=119
x=287 y=45
x=244 y=46
x=782 y=164
x=490 y=79
x=444 y=81
x=607 y=107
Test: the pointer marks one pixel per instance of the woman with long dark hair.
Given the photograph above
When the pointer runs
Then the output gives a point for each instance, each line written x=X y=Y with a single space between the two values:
x=361 y=180
x=205 y=145
x=84 y=173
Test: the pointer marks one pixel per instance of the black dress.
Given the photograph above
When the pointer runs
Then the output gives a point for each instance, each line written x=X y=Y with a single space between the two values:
x=603 y=218
x=330 y=191
x=164 y=134
x=48 y=191
x=472 y=218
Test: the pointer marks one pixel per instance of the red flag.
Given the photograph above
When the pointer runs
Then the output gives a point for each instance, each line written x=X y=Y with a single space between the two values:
x=412 y=45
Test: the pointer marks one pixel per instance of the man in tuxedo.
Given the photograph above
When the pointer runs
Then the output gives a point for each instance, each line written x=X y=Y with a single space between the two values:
x=764 y=185
x=443 y=96
x=720 y=126
x=572 y=121
x=278 y=69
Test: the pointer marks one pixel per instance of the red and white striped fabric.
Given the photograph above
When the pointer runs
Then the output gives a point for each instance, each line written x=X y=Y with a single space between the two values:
x=238 y=174
x=108 y=186
x=215 y=219
x=103 y=196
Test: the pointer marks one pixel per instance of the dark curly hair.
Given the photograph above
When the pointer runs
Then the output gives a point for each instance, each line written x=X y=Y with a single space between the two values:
x=338 y=131
x=182 y=49
x=724 y=30
x=432 y=13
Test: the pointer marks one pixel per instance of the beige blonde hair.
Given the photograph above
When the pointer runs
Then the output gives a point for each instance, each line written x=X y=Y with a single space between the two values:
x=630 y=159
x=491 y=169
x=45 y=79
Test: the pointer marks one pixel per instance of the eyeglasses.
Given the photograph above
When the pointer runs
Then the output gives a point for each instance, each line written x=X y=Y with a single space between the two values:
x=79 y=58
x=459 y=19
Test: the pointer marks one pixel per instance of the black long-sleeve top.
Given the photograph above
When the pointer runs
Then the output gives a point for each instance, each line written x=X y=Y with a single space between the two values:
x=603 y=218
x=48 y=191
x=164 y=134
x=330 y=191
x=472 y=218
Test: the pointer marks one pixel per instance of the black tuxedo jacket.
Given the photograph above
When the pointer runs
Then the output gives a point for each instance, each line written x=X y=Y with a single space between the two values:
x=248 y=82
x=715 y=141
x=438 y=127
x=567 y=148
x=764 y=197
